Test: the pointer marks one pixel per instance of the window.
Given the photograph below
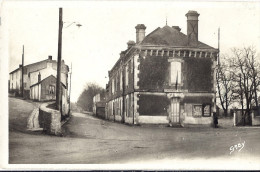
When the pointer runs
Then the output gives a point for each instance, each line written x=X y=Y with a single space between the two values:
x=51 y=89
x=197 y=111
x=126 y=75
x=116 y=83
x=121 y=80
x=201 y=110
x=113 y=86
x=130 y=66
x=175 y=72
x=206 y=110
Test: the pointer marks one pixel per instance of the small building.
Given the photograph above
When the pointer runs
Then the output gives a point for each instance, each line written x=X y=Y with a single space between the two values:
x=99 y=103
x=45 y=90
x=166 y=77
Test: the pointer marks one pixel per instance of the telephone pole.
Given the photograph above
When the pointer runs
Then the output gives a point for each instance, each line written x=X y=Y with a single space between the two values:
x=70 y=88
x=22 y=72
x=59 y=60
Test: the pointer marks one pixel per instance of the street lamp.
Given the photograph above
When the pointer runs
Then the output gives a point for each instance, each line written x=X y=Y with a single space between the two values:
x=58 y=85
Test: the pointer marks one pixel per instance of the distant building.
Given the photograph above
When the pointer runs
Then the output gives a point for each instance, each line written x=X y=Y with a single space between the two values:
x=165 y=77
x=99 y=102
x=43 y=69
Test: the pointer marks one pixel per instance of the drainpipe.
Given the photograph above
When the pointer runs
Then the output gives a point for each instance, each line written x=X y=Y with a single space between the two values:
x=134 y=89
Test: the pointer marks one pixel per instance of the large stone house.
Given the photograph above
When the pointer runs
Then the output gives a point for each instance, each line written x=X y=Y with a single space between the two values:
x=166 y=77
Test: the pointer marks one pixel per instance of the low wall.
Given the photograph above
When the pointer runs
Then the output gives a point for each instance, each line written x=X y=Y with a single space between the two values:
x=198 y=120
x=129 y=120
x=153 y=120
x=50 y=119
x=118 y=118
x=226 y=122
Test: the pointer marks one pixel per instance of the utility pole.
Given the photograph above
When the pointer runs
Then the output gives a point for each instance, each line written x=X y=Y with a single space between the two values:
x=22 y=72
x=70 y=87
x=59 y=60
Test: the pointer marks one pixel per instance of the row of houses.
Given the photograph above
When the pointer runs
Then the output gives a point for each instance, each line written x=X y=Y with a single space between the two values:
x=165 y=77
x=40 y=82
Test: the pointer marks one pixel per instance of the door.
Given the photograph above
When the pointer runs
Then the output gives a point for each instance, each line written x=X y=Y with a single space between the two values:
x=175 y=110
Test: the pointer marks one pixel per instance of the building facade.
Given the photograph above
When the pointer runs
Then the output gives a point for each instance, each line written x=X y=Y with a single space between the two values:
x=166 y=77
x=43 y=68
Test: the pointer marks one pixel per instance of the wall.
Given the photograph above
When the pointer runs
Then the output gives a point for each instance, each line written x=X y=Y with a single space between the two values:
x=45 y=95
x=190 y=115
x=255 y=119
x=226 y=122
x=35 y=92
x=46 y=73
x=15 y=80
x=154 y=73
x=49 y=119
x=198 y=74
x=153 y=105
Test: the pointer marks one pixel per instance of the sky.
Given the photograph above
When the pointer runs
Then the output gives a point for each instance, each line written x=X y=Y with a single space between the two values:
x=107 y=26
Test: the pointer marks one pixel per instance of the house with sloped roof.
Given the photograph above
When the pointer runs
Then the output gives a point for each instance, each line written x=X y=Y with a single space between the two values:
x=45 y=68
x=165 y=77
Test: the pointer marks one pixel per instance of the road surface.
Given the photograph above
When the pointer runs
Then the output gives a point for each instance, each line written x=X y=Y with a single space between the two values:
x=89 y=140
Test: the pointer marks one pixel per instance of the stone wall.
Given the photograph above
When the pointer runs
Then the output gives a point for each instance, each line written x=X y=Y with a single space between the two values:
x=49 y=119
x=226 y=122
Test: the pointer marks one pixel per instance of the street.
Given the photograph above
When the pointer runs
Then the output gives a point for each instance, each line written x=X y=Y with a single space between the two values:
x=89 y=140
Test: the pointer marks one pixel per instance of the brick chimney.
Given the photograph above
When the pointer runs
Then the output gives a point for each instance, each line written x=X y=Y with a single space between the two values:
x=192 y=27
x=130 y=44
x=50 y=57
x=140 y=32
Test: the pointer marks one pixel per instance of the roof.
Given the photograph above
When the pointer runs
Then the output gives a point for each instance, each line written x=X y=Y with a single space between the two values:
x=29 y=65
x=170 y=36
x=46 y=79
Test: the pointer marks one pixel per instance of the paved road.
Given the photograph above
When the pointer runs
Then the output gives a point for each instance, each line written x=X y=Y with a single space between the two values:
x=89 y=140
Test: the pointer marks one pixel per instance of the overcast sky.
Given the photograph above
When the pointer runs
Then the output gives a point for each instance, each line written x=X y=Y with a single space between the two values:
x=94 y=48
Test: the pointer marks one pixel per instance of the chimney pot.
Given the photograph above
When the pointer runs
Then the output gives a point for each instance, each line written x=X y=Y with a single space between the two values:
x=177 y=28
x=50 y=57
x=192 y=27
x=140 y=32
x=130 y=44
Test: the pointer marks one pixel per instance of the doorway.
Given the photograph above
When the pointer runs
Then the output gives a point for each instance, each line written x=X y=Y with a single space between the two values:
x=175 y=110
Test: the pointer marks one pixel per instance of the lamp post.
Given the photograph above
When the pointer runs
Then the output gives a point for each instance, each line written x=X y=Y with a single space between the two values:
x=58 y=85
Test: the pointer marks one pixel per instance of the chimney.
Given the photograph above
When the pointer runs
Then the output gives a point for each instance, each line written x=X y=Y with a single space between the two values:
x=39 y=77
x=50 y=57
x=192 y=27
x=20 y=66
x=140 y=32
x=177 y=28
x=122 y=54
x=130 y=44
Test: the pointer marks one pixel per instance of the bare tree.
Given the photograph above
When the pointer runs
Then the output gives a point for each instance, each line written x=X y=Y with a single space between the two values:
x=85 y=100
x=225 y=84
x=245 y=71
